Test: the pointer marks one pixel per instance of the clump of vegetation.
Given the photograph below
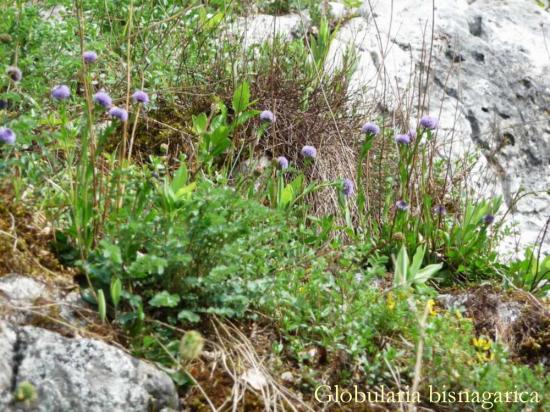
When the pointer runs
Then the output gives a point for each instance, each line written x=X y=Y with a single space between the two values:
x=258 y=198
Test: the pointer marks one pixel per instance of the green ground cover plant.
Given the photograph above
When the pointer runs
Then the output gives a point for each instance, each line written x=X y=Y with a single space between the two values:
x=183 y=191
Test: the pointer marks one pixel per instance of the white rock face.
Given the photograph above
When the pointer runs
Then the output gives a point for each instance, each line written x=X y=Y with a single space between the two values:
x=262 y=27
x=489 y=84
x=337 y=10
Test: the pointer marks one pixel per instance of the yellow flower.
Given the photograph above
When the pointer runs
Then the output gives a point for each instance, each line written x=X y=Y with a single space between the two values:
x=485 y=356
x=482 y=343
x=431 y=307
x=390 y=301
x=489 y=356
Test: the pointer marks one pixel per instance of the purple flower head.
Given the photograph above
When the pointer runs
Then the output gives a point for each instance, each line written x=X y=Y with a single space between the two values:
x=370 y=128
x=282 y=162
x=412 y=133
x=348 y=187
x=140 y=96
x=103 y=99
x=118 y=113
x=402 y=205
x=89 y=57
x=267 y=116
x=488 y=219
x=61 y=92
x=402 y=139
x=7 y=136
x=309 y=152
x=439 y=210
x=14 y=73
x=429 y=122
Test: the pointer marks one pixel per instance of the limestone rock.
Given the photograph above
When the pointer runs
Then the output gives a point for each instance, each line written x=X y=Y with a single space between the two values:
x=77 y=374
x=490 y=87
x=22 y=298
x=255 y=30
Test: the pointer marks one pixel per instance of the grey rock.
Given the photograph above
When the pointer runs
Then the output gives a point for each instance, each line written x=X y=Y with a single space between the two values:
x=452 y=302
x=21 y=289
x=254 y=30
x=499 y=312
x=7 y=345
x=77 y=374
x=337 y=10
x=19 y=295
x=489 y=85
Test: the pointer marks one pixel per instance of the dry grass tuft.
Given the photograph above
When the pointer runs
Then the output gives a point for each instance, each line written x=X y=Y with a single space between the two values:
x=25 y=239
x=235 y=376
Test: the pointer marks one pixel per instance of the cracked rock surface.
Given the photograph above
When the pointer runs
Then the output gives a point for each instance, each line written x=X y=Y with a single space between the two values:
x=490 y=87
x=70 y=374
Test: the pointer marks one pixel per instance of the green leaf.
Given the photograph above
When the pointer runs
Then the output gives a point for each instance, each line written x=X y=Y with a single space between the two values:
x=219 y=140
x=401 y=267
x=244 y=117
x=241 y=98
x=298 y=183
x=116 y=290
x=287 y=195
x=164 y=299
x=417 y=261
x=186 y=191
x=102 y=305
x=200 y=123
x=146 y=265
x=111 y=252
x=180 y=178
x=426 y=273
x=187 y=315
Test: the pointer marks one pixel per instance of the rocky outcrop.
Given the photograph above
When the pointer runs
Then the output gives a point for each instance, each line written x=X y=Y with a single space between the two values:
x=489 y=83
x=68 y=374
x=77 y=374
x=260 y=28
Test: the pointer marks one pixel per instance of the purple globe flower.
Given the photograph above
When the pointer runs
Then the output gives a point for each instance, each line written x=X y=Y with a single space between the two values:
x=140 y=96
x=61 y=92
x=103 y=99
x=118 y=113
x=370 y=128
x=309 y=152
x=7 y=136
x=402 y=205
x=14 y=73
x=267 y=116
x=282 y=162
x=488 y=219
x=402 y=139
x=348 y=188
x=89 y=57
x=429 y=122
x=439 y=210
